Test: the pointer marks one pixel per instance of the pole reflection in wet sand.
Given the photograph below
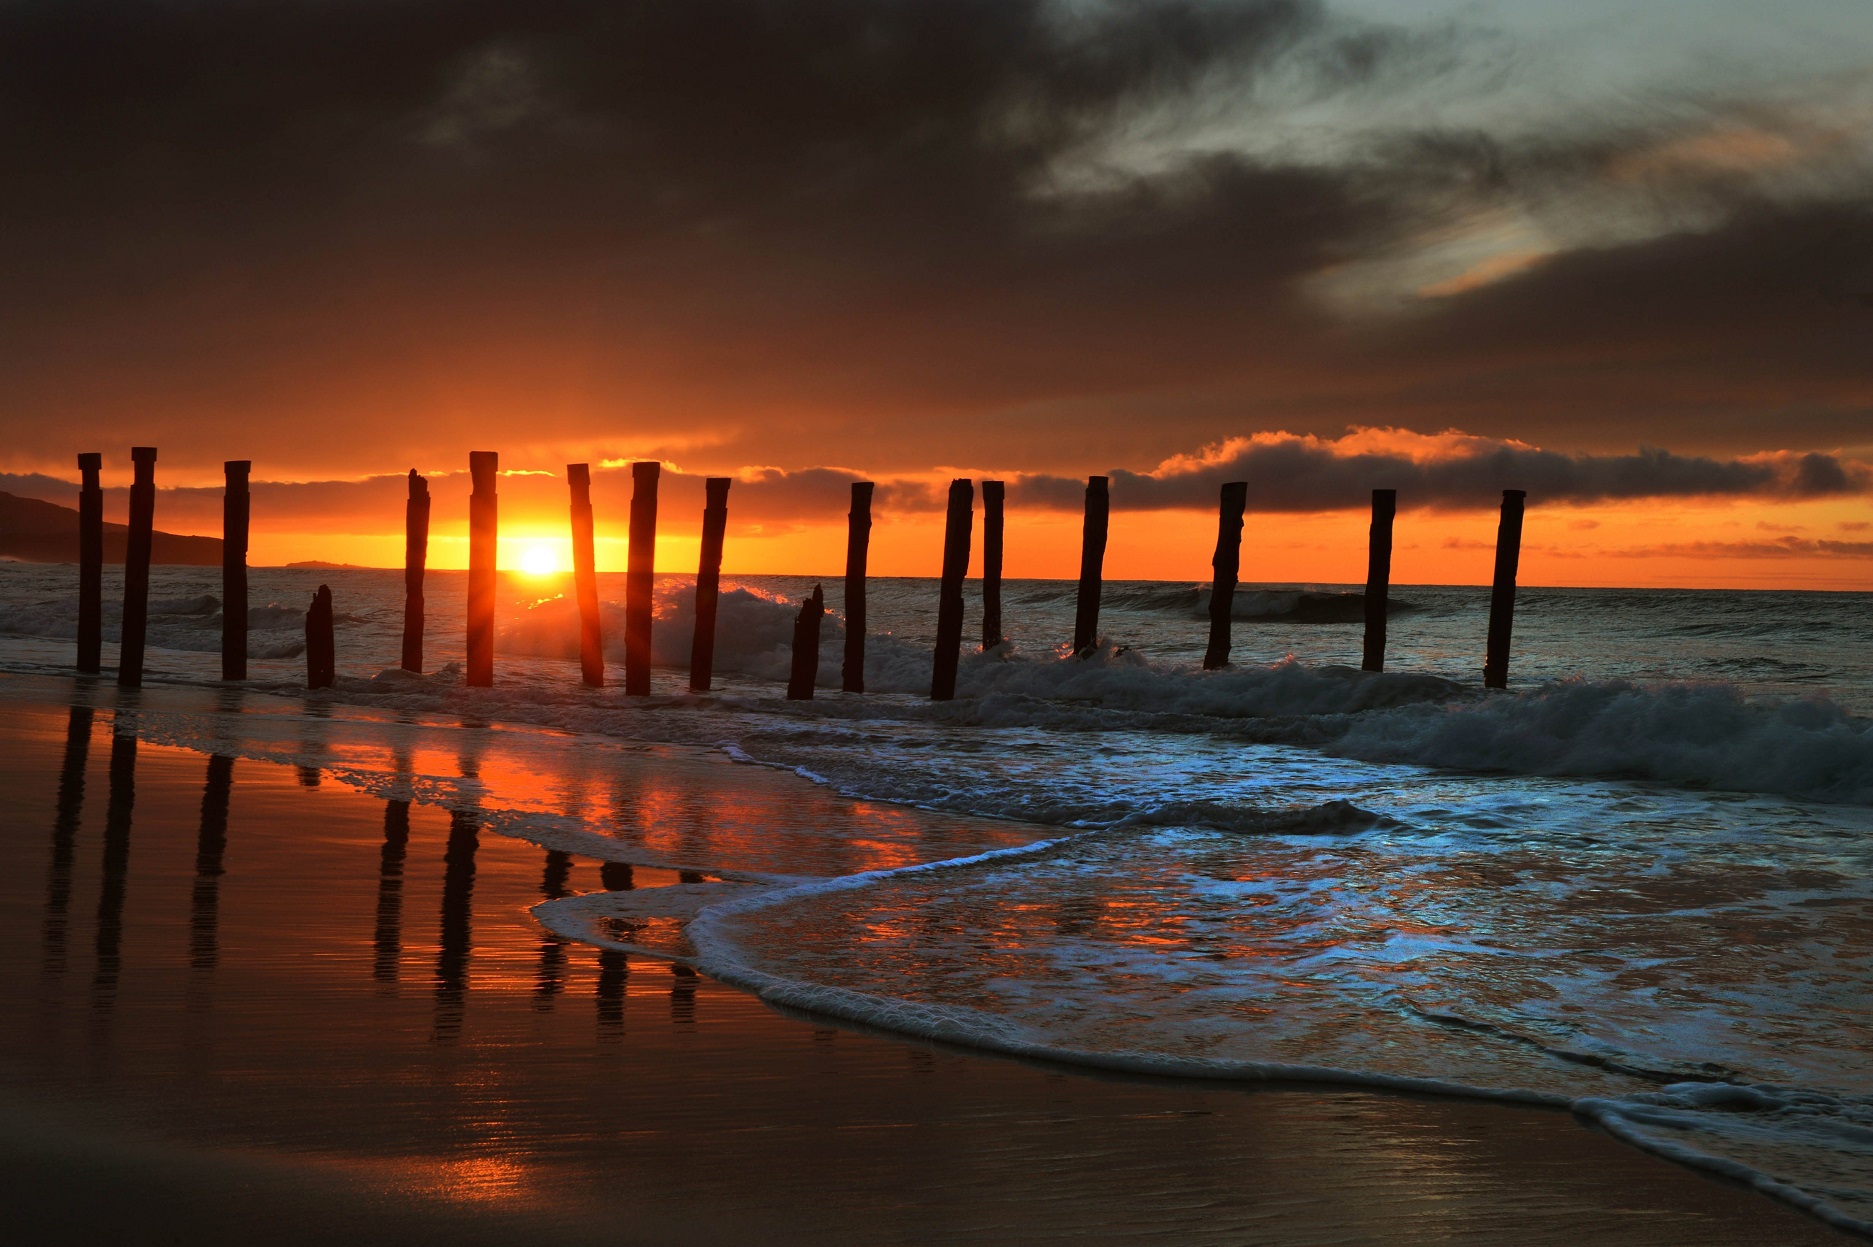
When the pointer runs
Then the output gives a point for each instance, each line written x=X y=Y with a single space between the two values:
x=458 y=889
x=69 y=812
x=682 y=994
x=550 y=980
x=387 y=940
x=123 y=799
x=613 y=970
x=210 y=846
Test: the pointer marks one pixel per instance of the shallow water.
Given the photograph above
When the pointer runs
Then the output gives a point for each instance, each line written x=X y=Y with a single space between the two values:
x=249 y=999
x=1635 y=885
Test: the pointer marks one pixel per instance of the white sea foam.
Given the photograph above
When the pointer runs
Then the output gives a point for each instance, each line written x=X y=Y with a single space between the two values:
x=1094 y=961
x=1706 y=735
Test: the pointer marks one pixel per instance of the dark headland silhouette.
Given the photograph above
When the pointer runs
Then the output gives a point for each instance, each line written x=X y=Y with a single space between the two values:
x=44 y=532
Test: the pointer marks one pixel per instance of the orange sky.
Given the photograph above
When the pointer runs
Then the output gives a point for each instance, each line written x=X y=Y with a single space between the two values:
x=1649 y=544
x=1647 y=517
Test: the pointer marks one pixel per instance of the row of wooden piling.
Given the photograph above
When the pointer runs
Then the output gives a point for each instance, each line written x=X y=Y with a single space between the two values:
x=484 y=514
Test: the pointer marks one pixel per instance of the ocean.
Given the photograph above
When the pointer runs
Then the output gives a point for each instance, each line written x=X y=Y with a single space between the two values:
x=1635 y=884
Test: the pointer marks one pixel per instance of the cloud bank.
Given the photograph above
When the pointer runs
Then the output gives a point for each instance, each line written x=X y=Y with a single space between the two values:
x=1285 y=473
x=1452 y=470
x=899 y=233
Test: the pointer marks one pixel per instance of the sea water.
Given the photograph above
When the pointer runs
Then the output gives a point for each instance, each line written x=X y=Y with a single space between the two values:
x=1636 y=883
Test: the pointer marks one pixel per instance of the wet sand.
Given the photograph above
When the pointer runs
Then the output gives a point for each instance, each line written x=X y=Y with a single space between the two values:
x=245 y=1002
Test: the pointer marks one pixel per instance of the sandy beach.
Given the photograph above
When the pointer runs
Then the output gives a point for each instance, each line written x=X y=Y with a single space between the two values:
x=298 y=1025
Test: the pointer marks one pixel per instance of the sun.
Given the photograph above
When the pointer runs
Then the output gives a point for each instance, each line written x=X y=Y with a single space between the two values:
x=538 y=558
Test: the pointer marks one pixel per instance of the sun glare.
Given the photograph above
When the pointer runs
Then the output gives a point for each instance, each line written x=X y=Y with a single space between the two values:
x=539 y=559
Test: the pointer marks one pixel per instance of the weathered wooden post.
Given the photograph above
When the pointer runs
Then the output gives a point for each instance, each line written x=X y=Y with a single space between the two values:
x=483 y=547
x=1378 y=576
x=1092 y=568
x=90 y=565
x=857 y=557
x=234 y=516
x=1227 y=566
x=708 y=582
x=640 y=578
x=992 y=495
x=585 y=577
x=137 y=568
x=415 y=558
x=321 y=645
x=1502 y=593
x=806 y=647
x=957 y=524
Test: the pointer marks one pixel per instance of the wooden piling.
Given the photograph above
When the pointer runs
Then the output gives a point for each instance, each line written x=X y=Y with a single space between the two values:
x=957 y=524
x=1378 y=576
x=708 y=582
x=585 y=576
x=639 y=580
x=234 y=517
x=857 y=557
x=90 y=565
x=415 y=558
x=483 y=547
x=137 y=568
x=1226 y=565
x=806 y=647
x=992 y=496
x=1092 y=567
x=1502 y=593
x=321 y=645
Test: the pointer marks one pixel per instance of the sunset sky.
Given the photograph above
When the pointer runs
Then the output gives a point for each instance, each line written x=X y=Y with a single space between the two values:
x=1617 y=254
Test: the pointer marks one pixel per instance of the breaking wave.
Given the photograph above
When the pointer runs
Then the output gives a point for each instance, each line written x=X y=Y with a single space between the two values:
x=190 y=624
x=1699 y=735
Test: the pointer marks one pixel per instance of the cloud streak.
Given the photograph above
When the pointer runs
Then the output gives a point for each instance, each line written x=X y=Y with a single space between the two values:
x=1783 y=548
x=1452 y=470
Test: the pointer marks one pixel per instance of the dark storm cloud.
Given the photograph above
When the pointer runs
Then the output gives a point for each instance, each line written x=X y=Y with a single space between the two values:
x=851 y=132
x=379 y=216
x=339 y=234
x=1742 y=335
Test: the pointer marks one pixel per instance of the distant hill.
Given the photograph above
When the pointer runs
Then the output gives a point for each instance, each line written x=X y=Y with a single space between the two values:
x=44 y=532
x=320 y=565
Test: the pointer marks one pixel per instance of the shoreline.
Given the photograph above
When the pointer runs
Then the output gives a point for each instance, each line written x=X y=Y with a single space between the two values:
x=683 y=1083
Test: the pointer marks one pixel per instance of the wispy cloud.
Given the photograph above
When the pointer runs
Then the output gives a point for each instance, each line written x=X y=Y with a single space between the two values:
x=1782 y=548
